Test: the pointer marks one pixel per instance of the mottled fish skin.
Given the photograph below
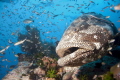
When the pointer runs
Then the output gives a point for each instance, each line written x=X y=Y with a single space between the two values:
x=85 y=40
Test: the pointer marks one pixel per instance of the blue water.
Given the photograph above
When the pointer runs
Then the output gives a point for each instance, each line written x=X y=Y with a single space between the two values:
x=51 y=17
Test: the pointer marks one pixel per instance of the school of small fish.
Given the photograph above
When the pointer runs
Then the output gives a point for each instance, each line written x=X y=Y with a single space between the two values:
x=49 y=16
x=15 y=44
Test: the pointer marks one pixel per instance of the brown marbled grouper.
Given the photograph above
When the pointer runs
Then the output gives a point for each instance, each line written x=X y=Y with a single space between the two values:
x=87 y=39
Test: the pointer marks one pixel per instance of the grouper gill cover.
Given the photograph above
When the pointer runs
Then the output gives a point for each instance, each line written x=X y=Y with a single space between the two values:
x=59 y=39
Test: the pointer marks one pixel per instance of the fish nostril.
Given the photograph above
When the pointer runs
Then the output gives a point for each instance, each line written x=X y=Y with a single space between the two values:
x=70 y=50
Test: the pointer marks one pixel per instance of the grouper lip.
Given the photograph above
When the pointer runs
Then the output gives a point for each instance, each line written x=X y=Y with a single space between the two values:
x=72 y=57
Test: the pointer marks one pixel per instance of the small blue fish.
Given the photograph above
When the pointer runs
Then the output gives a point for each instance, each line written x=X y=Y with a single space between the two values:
x=27 y=21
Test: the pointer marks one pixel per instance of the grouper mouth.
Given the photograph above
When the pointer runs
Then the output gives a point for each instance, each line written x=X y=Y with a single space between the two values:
x=73 y=56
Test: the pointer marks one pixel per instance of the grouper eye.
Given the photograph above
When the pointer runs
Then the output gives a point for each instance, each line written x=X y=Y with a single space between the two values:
x=76 y=30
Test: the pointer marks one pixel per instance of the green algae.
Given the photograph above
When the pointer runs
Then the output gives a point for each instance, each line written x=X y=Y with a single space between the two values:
x=83 y=77
x=51 y=73
x=108 y=76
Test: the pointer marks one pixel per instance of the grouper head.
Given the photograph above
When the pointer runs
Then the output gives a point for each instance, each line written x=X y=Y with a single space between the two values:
x=85 y=40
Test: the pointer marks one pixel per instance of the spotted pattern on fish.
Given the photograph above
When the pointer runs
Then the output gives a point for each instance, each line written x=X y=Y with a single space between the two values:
x=85 y=40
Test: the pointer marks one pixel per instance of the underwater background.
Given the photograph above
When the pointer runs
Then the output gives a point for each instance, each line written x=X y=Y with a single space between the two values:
x=43 y=22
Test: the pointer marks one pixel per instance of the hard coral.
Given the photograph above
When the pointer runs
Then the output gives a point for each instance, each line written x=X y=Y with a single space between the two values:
x=49 y=62
x=40 y=72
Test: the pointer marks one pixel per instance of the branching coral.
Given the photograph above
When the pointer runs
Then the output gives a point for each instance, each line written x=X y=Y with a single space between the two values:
x=33 y=43
x=34 y=46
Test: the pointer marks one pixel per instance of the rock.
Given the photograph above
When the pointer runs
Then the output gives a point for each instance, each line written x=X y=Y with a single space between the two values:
x=40 y=72
x=16 y=74
x=25 y=77
x=60 y=71
x=67 y=76
x=70 y=73
x=116 y=71
x=50 y=79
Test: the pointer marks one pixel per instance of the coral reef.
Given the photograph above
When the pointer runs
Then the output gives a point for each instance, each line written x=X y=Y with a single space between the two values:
x=28 y=71
x=46 y=68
